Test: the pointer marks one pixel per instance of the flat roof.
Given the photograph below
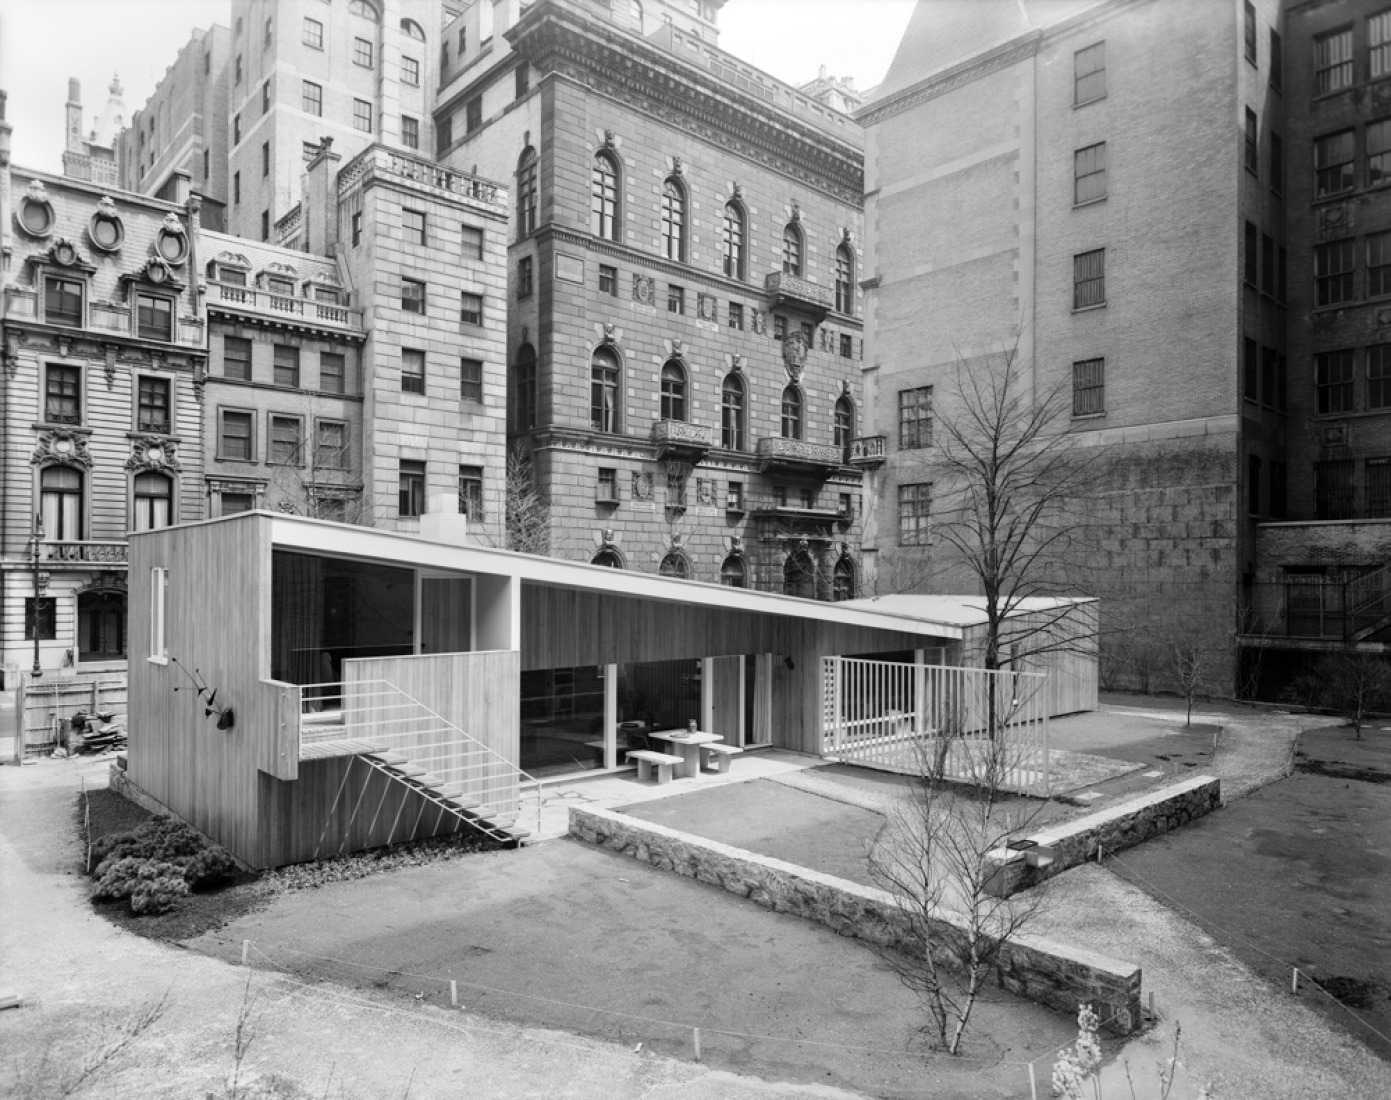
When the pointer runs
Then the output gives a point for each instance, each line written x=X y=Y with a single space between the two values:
x=342 y=540
x=961 y=611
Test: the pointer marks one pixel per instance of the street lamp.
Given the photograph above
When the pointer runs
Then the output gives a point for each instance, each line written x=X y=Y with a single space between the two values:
x=34 y=539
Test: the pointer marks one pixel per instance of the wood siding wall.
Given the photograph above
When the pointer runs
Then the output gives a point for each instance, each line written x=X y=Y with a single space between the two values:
x=1070 y=656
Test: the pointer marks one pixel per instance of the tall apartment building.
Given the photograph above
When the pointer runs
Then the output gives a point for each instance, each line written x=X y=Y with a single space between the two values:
x=360 y=72
x=683 y=312
x=104 y=360
x=177 y=142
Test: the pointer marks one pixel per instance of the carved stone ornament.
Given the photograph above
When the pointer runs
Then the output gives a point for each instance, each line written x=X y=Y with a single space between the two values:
x=149 y=452
x=737 y=191
x=759 y=321
x=847 y=235
x=642 y=486
x=610 y=140
x=675 y=350
x=678 y=167
x=1383 y=318
x=845 y=386
x=64 y=253
x=35 y=211
x=109 y=364
x=705 y=491
x=61 y=448
x=794 y=354
x=157 y=271
x=644 y=289
x=607 y=333
x=706 y=307
x=1333 y=222
x=1335 y=434
x=796 y=212
x=172 y=241
x=1381 y=94
x=607 y=538
x=736 y=364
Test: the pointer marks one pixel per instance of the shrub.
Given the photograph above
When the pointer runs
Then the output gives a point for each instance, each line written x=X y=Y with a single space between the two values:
x=157 y=863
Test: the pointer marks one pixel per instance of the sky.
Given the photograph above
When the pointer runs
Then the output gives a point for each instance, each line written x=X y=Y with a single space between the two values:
x=43 y=42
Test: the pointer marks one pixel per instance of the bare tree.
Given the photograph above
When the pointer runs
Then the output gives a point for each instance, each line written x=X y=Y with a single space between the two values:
x=1190 y=666
x=937 y=856
x=319 y=473
x=1349 y=683
x=528 y=513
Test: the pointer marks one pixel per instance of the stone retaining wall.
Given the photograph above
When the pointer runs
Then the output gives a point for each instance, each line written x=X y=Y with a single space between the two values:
x=1031 y=966
x=1110 y=830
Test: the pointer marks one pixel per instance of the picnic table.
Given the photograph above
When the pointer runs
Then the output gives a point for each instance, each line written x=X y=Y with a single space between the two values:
x=688 y=744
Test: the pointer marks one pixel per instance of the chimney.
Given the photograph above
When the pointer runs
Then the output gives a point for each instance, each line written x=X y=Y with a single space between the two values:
x=74 y=119
x=319 y=201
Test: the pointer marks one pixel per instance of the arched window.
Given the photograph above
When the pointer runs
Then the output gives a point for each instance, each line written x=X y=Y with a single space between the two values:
x=792 y=413
x=607 y=558
x=845 y=280
x=526 y=192
x=412 y=29
x=60 y=500
x=101 y=626
x=732 y=572
x=603 y=210
x=636 y=11
x=676 y=564
x=792 y=250
x=603 y=391
x=799 y=575
x=154 y=497
x=522 y=392
x=732 y=413
x=843 y=580
x=366 y=9
x=845 y=421
x=733 y=240
x=673 y=391
x=674 y=220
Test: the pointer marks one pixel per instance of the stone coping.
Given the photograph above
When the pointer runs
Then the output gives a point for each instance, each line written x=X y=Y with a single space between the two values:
x=1032 y=966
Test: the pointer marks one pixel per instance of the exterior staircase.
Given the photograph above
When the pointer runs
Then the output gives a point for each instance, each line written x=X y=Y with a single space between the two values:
x=451 y=774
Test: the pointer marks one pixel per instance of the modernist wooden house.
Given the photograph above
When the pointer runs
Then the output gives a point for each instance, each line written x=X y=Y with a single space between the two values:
x=373 y=686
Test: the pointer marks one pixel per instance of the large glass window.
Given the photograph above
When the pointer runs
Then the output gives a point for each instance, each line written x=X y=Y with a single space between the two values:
x=603 y=211
x=1333 y=61
x=153 y=499
x=286 y=366
x=603 y=391
x=311 y=98
x=1333 y=382
x=412 y=370
x=471 y=492
x=1379 y=45
x=526 y=193
x=235 y=435
x=1378 y=264
x=154 y=317
x=101 y=626
x=1088 y=387
x=915 y=418
x=333 y=372
x=286 y=441
x=60 y=503
x=1379 y=152
x=330 y=445
x=673 y=391
x=732 y=413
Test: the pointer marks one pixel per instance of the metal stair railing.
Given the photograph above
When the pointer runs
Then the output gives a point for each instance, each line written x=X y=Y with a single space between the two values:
x=408 y=742
x=1365 y=601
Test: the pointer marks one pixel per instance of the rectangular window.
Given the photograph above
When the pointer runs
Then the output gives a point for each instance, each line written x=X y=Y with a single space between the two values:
x=355 y=224
x=236 y=129
x=524 y=277
x=152 y=405
x=362 y=52
x=333 y=373
x=470 y=308
x=1378 y=264
x=1378 y=487
x=1253 y=485
x=270 y=25
x=444 y=133
x=265 y=225
x=154 y=317
x=1279 y=483
x=410 y=71
x=1267 y=265
x=1333 y=266
x=1379 y=376
x=412 y=370
x=412 y=296
x=779 y=327
x=159 y=583
x=473 y=114
x=311 y=98
x=471 y=380
x=914 y=512
x=1089 y=279
x=331 y=445
x=1333 y=61
x=1089 y=174
x=411 y=494
x=234 y=434
x=236 y=70
x=265 y=158
x=471 y=492
x=1253 y=143
x=1250 y=32
x=62 y=395
x=1333 y=489
x=413 y=221
x=1379 y=153
x=1379 y=45
x=1277 y=163
x=265 y=97
x=1281 y=381
x=1270 y=361
x=463 y=40
x=236 y=188
x=40 y=618
x=236 y=358
x=676 y=299
x=471 y=242
x=1333 y=382
x=1250 y=369
x=62 y=301
x=736 y=316
x=410 y=132
x=1333 y=156
x=286 y=366
x=1277 y=60
x=608 y=280
x=523 y=80
x=606 y=491
x=915 y=418
x=309 y=150
x=734 y=496
x=313 y=34
x=362 y=115
x=1088 y=387
x=1281 y=273
x=847 y=346
x=1089 y=74
x=285 y=441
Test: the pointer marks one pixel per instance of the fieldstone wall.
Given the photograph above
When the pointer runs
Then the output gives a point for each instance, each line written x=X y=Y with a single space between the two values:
x=1110 y=830
x=1030 y=966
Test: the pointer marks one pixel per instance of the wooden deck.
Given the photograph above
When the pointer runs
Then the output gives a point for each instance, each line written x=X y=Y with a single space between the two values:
x=347 y=747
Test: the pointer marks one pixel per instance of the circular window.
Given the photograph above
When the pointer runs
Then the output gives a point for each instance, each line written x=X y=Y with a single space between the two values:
x=106 y=231
x=36 y=216
x=172 y=245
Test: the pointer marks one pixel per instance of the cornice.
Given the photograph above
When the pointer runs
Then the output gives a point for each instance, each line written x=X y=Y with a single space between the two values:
x=635 y=74
x=283 y=324
x=948 y=80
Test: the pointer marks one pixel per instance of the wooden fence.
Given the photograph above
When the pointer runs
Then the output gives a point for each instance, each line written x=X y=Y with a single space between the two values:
x=43 y=706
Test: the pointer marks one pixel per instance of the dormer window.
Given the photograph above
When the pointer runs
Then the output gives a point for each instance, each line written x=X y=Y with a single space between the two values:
x=277 y=285
x=231 y=275
x=230 y=267
x=329 y=294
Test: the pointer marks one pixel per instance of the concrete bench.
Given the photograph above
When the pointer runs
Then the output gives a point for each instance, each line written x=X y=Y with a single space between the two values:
x=647 y=759
x=718 y=756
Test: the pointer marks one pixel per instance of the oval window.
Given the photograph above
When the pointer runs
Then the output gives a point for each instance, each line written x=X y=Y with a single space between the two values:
x=36 y=217
x=106 y=231
x=172 y=245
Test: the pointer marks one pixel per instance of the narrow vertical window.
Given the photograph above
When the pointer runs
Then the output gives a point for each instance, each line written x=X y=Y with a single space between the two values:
x=603 y=391
x=1089 y=174
x=674 y=220
x=733 y=240
x=792 y=413
x=673 y=391
x=845 y=280
x=603 y=213
x=732 y=413
x=791 y=250
x=159 y=647
x=526 y=193
x=1089 y=279
x=1089 y=74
